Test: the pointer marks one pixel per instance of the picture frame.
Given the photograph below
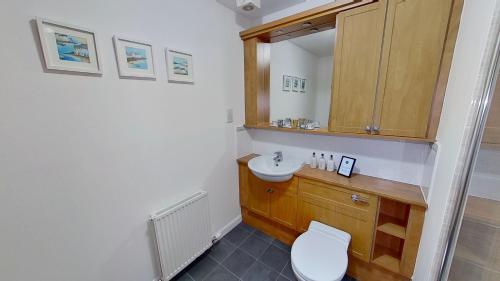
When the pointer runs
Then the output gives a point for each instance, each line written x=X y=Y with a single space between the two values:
x=180 y=67
x=135 y=59
x=295 y=84
x=346 y=166
x=67 y=47
x=287 y=83
x=303 y=85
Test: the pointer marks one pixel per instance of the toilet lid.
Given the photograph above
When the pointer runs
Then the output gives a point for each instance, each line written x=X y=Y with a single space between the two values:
x=319 y=257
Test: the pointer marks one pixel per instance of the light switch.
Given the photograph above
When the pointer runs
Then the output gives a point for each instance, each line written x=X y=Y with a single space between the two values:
x=229 y=115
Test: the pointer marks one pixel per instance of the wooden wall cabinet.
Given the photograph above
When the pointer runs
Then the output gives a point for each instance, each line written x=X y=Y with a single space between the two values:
x=414 y=39
x=356 y=59
x=392 y=60
x=390 y=88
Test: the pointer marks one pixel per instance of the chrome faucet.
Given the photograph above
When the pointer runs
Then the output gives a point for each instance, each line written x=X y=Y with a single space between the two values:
x=278 y=157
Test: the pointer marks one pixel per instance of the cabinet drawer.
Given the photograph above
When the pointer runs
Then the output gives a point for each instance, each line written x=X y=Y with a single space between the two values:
x=341 y=195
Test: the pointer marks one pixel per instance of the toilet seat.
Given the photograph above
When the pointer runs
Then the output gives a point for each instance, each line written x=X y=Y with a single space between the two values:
x=320 y=254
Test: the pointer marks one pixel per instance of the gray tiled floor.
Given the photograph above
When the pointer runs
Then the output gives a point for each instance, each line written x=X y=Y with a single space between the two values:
x=244 y=254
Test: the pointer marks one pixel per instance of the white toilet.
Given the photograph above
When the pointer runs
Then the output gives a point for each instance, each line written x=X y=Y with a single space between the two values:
x=320 y=253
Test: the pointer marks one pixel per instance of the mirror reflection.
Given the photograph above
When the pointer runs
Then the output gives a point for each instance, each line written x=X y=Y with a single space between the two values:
x=301 y=80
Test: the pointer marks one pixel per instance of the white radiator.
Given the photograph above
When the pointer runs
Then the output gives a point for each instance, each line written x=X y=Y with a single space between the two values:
x=183 y=233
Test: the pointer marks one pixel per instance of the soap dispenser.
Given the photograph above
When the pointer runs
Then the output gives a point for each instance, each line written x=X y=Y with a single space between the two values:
x=322 y=162
x=314 y=161
x=330 y=165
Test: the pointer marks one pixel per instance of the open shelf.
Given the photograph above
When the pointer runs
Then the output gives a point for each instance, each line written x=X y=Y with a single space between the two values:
x=386 y=257
x=392 y=226
x=393 y=218
x=388 y=248
x=388 y=262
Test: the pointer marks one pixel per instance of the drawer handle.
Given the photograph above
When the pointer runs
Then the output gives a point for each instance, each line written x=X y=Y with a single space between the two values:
x=270 y=190
x=358 y=199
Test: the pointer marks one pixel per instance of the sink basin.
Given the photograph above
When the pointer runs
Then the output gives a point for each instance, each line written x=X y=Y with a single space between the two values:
x=265 y=169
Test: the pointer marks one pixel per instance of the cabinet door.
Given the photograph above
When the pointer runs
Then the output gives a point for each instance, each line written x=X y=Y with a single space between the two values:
x=258 y=196
x=284 y=207
x=492 y=131
x=356 y=66
x=414 y=37
x=333 y=206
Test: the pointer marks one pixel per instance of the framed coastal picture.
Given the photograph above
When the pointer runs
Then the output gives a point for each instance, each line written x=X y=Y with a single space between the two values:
x=287 y=83
x=295 y=84
x=68 y=48
x=134 y=58
x=179 y=66
x=303 y=83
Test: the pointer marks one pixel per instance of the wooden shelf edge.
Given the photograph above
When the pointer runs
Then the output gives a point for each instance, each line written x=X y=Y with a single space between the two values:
x=321 y=11
x=388 y=262
x=325 y=132
x=393 y=229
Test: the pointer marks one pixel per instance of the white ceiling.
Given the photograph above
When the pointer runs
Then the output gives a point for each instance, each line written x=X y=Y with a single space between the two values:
x=320 y=43
x=267 y=7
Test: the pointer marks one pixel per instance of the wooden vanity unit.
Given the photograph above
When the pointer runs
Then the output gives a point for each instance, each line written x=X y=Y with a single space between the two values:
x=384 y=218
x=391 y=65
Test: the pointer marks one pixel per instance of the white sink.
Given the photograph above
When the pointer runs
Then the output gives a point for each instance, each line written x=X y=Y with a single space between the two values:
x=265 y=168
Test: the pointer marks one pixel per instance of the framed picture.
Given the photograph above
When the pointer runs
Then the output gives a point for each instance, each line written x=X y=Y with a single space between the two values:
x=134 y=58
x=346 y=166
x=287 y=83
x=303 y=85
x=180 y=67
x=295 y=84
x=68 y=48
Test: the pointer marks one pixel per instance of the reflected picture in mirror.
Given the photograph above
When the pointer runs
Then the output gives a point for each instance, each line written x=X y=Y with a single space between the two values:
x=301 y=78
x=287 y=83
x=295 y=84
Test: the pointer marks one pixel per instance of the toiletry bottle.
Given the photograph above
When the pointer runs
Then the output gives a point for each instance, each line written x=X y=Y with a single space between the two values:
x=314 y=161
x=330 y=165
x=322 y=162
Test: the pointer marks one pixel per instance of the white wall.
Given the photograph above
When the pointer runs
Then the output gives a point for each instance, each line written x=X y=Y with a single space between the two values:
x=85 y=160
x=485 y=181
x=400 y=161
x=323 y=90
x=306 y=5
x=289 y=59
x=462 y=84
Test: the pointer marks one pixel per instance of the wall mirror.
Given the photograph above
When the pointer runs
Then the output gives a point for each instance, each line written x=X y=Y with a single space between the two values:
x=301 y=78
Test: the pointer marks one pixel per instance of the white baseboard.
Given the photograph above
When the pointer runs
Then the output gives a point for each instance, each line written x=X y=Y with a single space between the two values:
x=228 y=227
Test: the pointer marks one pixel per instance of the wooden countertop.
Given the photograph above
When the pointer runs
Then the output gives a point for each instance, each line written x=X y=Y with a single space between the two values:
x=398 y=191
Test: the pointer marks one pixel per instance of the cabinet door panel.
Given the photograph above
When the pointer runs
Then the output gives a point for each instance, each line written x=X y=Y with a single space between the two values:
x=356 y=66
x=258 y=197
x=414 y=37
x=284 y=208
x=357 y=221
